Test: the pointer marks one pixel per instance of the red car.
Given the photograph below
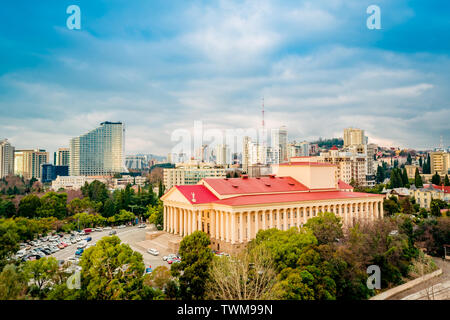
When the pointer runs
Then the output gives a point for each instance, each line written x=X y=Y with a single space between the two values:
x=87 y=230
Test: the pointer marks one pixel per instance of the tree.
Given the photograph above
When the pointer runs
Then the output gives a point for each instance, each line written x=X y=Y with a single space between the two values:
x=9 y=240
x=28 y=206
x=41 y=272
x=160 y=189
x=249 y=275
x=326 y=227
x=435 y=207
x=7 y=208
x=193 y=269
x=96 y=191
x=436 y=179
x=405 y=180
x=285 y=246
x=111 y=270
x=78 y=205
x=446 y=181
x=156 y=214
x=381 y=174
x=13 y=284
x=159 y=278
x=409 y=159
x=53 y=205
x=418 y=179
x=407 y=206
x=391 y=206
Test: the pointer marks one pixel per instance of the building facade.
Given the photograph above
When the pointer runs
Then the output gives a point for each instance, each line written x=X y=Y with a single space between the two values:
x=440 y=162
x=429 y=192
x=6 y=158
x=191 y=173
x=353 y=136
x=232 y=211
x=50 y=172
x=98 y=152
x=62 y=157
x=27 y=163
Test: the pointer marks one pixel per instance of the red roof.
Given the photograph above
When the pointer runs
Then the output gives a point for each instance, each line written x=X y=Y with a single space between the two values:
x=334 y=148
x=201 y=193
x=446 y=189
x=255 y=185
x=293 y=197
x=342 y=185
x=308 y=163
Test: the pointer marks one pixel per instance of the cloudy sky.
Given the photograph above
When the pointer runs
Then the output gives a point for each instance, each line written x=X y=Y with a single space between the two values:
x=159 y=65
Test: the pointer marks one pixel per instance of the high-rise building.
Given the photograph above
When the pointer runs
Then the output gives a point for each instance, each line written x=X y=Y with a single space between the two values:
x=223 y=154
x=62 y=157
x=245 y=153
x=353 y=136
x=27 y=163
x=6 y=158
x=279 y=142
x=99 y=152
x=440 y=162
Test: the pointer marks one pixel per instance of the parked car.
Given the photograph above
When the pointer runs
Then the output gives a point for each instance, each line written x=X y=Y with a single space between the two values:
x=79 y=252
x=143 y=225
x=98 y=229
x=61 y=246
x=148 y=270
x=88 y=239
x=112 y=232
x=107 y=228
x=153 y=252
x=82 y=244
x=87 y=230
x=121 y=226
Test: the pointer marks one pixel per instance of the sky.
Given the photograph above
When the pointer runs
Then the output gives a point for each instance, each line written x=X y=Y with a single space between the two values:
x=158 y=66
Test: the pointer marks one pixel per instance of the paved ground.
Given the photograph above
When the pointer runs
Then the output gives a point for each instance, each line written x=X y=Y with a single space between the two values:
x=437 y=288
x=128 y=235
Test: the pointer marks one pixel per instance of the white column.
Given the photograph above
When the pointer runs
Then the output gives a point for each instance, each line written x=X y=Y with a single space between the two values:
x=233 y=227
x=217 y=234
x=227 y=227
x=248 y=224
x=264 y=214
x=222 y=225
x=271 y=224
x=241 y=227
x=278 y=219
x=256 y=223
x=291 y=212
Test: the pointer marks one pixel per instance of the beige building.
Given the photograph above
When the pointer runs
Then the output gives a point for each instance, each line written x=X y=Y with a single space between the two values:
x=191 y=173
x=429 y=192
x=440 y=162
x=76 y=182
x=411 y=170
x=232 y=211
x=353 y=136
x=27 y=163
x=62 y=157
x=349 y=165
x=6 y=158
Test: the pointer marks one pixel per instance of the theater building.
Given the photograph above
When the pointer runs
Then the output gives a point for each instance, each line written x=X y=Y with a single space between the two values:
x=232 y=211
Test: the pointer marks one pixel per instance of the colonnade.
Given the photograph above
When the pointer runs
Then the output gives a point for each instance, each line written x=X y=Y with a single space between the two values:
x=239 y=226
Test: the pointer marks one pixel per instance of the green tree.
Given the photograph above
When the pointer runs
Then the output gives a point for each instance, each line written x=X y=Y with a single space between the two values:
x=409 y=159
x=28 y=206
x=9 y=240
x=405 y=180
x=196 y=257
x=7 y=208
x=111 y=270
x=96 y=191
x=326 y=227
x=391 y=206
x=436 y=179
x=435 y=207
x=285 y=246
x=53 y=205
x=41 y=272
x=418 y=179
x=446 y=181
x=381 y=174
x=13 y=283
x=160 y=189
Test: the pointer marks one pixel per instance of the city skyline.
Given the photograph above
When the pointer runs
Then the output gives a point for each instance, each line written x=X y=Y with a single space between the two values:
x=159 y=67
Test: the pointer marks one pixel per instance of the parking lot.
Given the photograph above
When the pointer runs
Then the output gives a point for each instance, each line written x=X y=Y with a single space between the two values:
x=130 y=235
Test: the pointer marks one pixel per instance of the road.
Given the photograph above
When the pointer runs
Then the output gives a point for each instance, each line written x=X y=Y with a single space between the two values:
x=129 y=235
x=437 y=288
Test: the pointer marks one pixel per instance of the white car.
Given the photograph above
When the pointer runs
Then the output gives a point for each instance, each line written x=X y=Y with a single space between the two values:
x=98 y=229
x=82 y=244
x=153 y=252
x=121 y=226
x=107 y=228
x=143 y=225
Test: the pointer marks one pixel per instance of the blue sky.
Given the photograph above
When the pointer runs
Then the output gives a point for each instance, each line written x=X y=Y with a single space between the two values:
x=160 y=65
